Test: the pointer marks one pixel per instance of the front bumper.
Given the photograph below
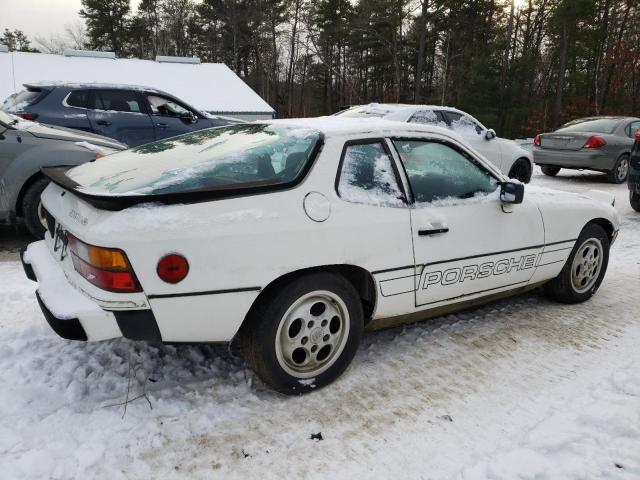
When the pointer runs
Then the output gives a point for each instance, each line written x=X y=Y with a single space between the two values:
x=74 y=315
x=587 y=159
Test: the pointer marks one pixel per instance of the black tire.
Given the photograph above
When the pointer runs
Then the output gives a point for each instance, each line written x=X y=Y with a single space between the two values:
x=620 y=171
x=549 y=170
x=31 y=206
x=521 y=170
x=562 y=287
x=634 y=199
x=259 y=334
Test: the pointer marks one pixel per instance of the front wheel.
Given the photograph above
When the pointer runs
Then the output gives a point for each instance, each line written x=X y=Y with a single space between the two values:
x=305 y=334
x=585 y=268
x=620 y=170
x=521 y=170
x=634 y=199
x=550 y=171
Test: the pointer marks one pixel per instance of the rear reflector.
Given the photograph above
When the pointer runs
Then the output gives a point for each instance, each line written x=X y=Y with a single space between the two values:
x=106 y=268
x=28 y=116
x=173 y=268
x=536 y=141
x=594 y=142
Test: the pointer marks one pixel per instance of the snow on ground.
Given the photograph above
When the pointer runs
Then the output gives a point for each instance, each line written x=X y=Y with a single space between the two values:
x=519 y=389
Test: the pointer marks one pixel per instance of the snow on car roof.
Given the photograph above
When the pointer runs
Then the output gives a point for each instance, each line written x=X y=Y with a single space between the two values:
x=119 y=86
x=388 y=108
x=207 y=86
x=336 y=125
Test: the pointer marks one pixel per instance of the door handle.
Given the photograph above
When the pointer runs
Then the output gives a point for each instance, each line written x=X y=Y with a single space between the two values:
x=106 y=123
x=161 y=125
x=432 y=231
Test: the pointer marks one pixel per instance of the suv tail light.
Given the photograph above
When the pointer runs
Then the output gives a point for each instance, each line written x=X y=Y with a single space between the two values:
x=594 y=142
x=536 y=141
x=28 y=116
x=106 y=268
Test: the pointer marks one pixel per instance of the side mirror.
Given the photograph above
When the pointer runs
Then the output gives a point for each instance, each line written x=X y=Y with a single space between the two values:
x=189 y=116
x=490 y=134
x=511 y=192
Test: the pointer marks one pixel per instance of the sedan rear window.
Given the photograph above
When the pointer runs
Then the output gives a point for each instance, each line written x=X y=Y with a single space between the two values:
x=597 y=125
x=224 y=158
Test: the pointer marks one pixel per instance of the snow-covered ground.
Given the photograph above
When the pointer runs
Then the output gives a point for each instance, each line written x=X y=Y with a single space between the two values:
x=520 y=389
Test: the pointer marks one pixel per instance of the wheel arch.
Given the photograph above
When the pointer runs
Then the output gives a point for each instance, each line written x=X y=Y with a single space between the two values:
x=605 y=224
x=361 y=279
x=23 y=190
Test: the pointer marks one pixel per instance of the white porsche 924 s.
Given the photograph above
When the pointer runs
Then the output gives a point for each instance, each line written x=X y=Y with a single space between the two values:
x=295 y=236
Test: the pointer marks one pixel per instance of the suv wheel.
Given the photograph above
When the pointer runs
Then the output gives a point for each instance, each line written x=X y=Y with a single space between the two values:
x=634 y=199
x=305 y=334
x=32 y=210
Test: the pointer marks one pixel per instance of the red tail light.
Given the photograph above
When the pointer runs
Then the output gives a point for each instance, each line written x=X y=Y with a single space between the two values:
x=28 y=116
x=106 y=268
x=536 y=141
x=637 y=135
x=173 y=268
x=595 y=142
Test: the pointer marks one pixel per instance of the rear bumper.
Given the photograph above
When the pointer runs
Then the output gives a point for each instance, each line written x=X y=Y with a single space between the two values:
x=590 y=160
x=74 y=315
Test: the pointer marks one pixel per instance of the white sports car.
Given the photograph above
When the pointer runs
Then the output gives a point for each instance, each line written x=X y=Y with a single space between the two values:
x=295 y=236
x=512 y=160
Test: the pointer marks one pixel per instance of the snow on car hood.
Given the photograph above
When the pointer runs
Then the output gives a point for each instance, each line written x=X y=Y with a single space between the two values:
x=41 y=130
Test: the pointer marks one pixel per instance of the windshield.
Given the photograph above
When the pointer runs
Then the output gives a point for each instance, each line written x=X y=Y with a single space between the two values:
x=597 y=125
x=237 y=156
x=7 y=119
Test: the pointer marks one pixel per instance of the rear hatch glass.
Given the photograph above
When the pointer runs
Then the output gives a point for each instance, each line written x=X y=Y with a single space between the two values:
x=232 y=158
x=21 y=100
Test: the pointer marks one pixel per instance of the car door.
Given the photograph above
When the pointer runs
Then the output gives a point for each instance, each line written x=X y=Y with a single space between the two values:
x=171 y=118
x=373 y=219
x=121 y=114
x=466 y=242
x=474 y=135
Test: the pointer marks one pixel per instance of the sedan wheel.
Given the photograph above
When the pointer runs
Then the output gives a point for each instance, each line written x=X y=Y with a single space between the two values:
x=620 y=170
x=550 y=171
x=521 y=170
x=303 y=333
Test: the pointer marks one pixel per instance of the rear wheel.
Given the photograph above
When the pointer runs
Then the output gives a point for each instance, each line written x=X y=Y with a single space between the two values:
x=521 y=170
x=303 y=336
x=32 y=209
x=550 y=171
x=634 y=199
x=620 y=170
x=585 y=268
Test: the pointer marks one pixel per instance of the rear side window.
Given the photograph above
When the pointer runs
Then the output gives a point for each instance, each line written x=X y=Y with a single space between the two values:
x=21 y=100
x=117 y=100
x=428 y=117
x=78 y=98
x=367 y=176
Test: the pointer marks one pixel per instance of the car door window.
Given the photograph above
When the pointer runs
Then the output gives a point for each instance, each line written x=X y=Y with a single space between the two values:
x=78 y=98
x=428 y=117
x=117 y=100
x=367 y=176
x=462 y=123
x=437 y=172
x=165 y=107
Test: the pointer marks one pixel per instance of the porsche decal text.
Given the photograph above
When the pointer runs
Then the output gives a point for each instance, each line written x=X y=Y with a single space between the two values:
x=464 y=273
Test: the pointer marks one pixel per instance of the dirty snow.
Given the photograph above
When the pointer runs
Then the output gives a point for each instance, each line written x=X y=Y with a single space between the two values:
x=519 y=389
